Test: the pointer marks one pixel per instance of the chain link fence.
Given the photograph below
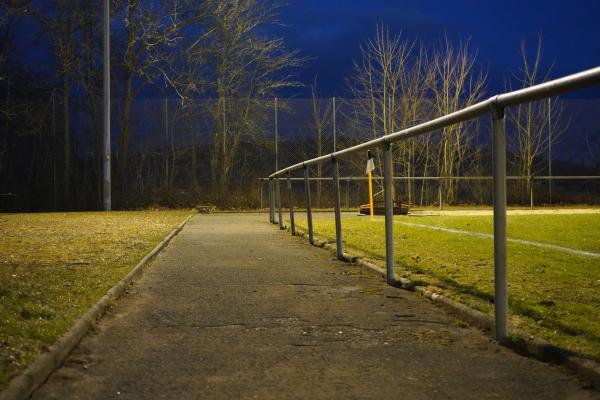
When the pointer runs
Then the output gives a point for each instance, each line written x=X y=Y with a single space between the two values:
x=215 y=151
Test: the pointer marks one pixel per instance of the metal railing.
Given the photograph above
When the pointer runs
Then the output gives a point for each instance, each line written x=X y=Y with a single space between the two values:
x=495 y=106
x=439 y=179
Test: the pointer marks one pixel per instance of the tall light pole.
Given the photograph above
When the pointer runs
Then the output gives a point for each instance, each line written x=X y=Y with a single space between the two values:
x=106 y=194
x=550 y=150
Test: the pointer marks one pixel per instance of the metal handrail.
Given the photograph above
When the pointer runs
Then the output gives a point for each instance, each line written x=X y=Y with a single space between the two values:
x=457 y=178
x=495 y=106
x=544 y=90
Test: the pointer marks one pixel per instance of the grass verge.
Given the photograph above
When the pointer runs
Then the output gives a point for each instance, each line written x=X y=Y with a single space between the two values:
x=54 y=266
x=553 y=295
x=576 y=231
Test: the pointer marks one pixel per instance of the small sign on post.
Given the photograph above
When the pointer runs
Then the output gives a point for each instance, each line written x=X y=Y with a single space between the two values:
x=370 y=168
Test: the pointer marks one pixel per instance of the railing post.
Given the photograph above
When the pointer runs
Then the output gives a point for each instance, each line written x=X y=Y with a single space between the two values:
x=269 y=195
x=291 y=204
x=278 y=196
x=311 y=239
x=272 y=200
x=389 y=212
x=336 y=204
x=347 y=194
x=260 y=189
x=531 y=192
x=499 y=169
x=440 y=192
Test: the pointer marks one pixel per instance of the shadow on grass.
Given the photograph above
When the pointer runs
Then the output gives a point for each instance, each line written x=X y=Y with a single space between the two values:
x=516 y=306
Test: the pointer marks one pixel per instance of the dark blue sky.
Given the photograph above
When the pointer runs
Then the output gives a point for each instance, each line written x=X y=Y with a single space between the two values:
x=331 y=31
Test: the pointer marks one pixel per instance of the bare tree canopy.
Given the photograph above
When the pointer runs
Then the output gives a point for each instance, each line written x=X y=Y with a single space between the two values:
x=399 y=83
x=200 y=88
x=535 y=125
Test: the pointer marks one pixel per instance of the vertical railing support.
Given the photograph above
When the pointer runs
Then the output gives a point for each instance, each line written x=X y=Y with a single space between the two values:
x=531 y=192
x=336 y=204
x=278 y=196
x=311 y=238
x=440 y=192
x=499 y=172
x=347 y=194
x=271 y=201
x=388 y=181
x=291 y=204
x=260 y=189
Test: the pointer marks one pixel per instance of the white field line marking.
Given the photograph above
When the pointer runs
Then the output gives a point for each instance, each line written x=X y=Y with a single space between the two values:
x=520 y=241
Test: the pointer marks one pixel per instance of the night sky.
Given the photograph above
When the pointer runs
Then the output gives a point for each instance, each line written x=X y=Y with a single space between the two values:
x=331 y=31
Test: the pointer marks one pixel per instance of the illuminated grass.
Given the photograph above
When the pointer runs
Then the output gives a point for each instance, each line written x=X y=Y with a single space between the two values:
x=577 y=231
x=551 y=294
x=54 y=266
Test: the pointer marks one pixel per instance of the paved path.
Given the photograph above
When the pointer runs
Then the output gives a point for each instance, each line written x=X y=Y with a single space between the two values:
x=236 y=309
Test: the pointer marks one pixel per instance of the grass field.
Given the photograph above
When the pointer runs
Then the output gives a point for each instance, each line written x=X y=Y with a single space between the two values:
x=552 y=293
x=54 y=266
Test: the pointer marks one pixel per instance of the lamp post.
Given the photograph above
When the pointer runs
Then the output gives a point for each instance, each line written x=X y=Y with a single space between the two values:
x=106 y=192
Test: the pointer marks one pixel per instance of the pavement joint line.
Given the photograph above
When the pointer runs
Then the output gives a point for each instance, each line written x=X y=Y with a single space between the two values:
x=521 y=342
x=36 y=373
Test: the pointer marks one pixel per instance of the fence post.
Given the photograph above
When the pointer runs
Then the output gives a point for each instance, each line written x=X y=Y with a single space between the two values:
x=549 y=151
x=271 y=201
x=291 y=204
x=260 y=189
x=499 y=168
x=336 y=204
x=276 y=137
x=333 y=111
x=531 y=192
x=347 y=194
x=278 y=196
x=388 y=181
x=311 y=239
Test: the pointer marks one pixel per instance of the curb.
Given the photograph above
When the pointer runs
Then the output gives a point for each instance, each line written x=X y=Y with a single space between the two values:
x=521 y=342
x=25 y=383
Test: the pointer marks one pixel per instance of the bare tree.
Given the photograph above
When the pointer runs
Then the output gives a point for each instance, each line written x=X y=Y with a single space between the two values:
x=456 y=85
x=242 y=64
x=377 y=82
x=531 y=122
x=321 y=117
x=412 y=107
x=58 y=21
x=88 y=74
x=7 y=18
x=151 y=31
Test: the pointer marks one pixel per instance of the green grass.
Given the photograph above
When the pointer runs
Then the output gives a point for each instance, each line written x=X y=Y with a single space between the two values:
x=551 y=294
x=54 y=266
x=576 y=231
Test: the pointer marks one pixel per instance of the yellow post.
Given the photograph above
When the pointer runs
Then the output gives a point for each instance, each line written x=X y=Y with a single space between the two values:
x=371 y=194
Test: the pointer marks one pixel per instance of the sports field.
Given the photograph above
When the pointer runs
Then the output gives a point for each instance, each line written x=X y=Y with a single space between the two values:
x=553 y=262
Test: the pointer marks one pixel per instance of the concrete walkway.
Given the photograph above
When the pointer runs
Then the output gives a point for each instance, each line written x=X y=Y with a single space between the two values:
x=236 y=309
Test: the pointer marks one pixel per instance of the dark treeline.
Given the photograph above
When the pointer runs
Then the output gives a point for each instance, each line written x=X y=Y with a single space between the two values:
x=194 y=110
x=52 y=114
